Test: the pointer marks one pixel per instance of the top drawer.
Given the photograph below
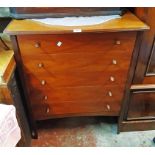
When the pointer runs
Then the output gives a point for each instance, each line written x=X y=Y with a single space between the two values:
x=69 y=43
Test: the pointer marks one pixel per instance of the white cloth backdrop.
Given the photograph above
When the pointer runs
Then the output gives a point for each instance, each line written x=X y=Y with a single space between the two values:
x=77 y=21
x=10 y=133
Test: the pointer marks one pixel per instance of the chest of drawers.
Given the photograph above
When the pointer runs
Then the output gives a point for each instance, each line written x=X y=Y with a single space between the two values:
x=74 y=74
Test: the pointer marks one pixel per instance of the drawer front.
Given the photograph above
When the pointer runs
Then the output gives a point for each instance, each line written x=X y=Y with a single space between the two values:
x=45 y=111
x=76 y=73
x=71 y=43
x=86 y=99
x=71 y=79
x=142 y=105
x=79 y=93
x=79 y=62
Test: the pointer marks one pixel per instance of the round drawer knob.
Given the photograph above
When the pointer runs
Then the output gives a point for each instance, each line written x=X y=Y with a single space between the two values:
x=118 y=42
x=37 y=45
x=112 y=78
x=108 y=107
x=59 y=43
x=33 y=134
x=43 y=82
x=47 y=110
x=40 y=65
x=114 y=62
x=45 y=97
x=110 y=93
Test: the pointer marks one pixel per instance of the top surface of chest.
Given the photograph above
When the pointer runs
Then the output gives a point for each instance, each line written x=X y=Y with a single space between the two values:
x=127 y=22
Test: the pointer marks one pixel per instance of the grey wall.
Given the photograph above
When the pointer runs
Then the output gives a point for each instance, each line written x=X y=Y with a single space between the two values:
x=4 y=12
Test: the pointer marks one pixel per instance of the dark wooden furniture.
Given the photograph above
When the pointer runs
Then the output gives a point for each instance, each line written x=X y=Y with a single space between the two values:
x=138 y=108
x=64 y=73
x=42 y=12
x=9 y=94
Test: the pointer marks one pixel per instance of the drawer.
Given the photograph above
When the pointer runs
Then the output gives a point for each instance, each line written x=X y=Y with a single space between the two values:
x=48 y=63
x=45 y=111
x=73 y=78
x=79 y=93
x=141 y=105
x=74 y=100
x=71 y=43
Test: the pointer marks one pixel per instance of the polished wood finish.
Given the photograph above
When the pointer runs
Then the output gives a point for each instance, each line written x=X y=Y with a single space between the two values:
x=147 y=15
x=138 y=109
x=73 y=43
x=76 y=74
x=83 y=74
x=22 y=86
x=140 y=125
x=124 y=106
x=149 y=80
x=77 y=100
x=7 y=64
x=44 y=12
x=68 y=10
x=142 y=105
x=128 y=22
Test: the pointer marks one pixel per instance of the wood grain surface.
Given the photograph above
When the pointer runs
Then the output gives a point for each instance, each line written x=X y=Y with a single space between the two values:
x=128 y=22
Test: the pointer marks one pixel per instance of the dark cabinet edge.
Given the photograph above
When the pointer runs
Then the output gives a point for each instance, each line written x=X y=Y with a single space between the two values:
x=127 y=93
x=21 y=81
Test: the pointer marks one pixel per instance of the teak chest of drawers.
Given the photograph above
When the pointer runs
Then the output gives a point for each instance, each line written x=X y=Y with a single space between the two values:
x=74 y=74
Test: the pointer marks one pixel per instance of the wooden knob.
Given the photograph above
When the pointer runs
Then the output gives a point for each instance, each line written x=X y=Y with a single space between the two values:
x=37 y=45
x=114 y=62
x=59 y=43
x=40 y=65
x=45 y=97
x=43 y=82
x=118 y=42
x=110 y=93
x=108 y=107
x=47 y=110
x=112 y=78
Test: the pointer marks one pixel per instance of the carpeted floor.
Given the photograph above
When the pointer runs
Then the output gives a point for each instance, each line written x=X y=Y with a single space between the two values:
x=87 y=132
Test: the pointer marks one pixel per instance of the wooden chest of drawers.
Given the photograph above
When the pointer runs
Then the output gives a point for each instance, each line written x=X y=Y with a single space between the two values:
x=75 y=74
